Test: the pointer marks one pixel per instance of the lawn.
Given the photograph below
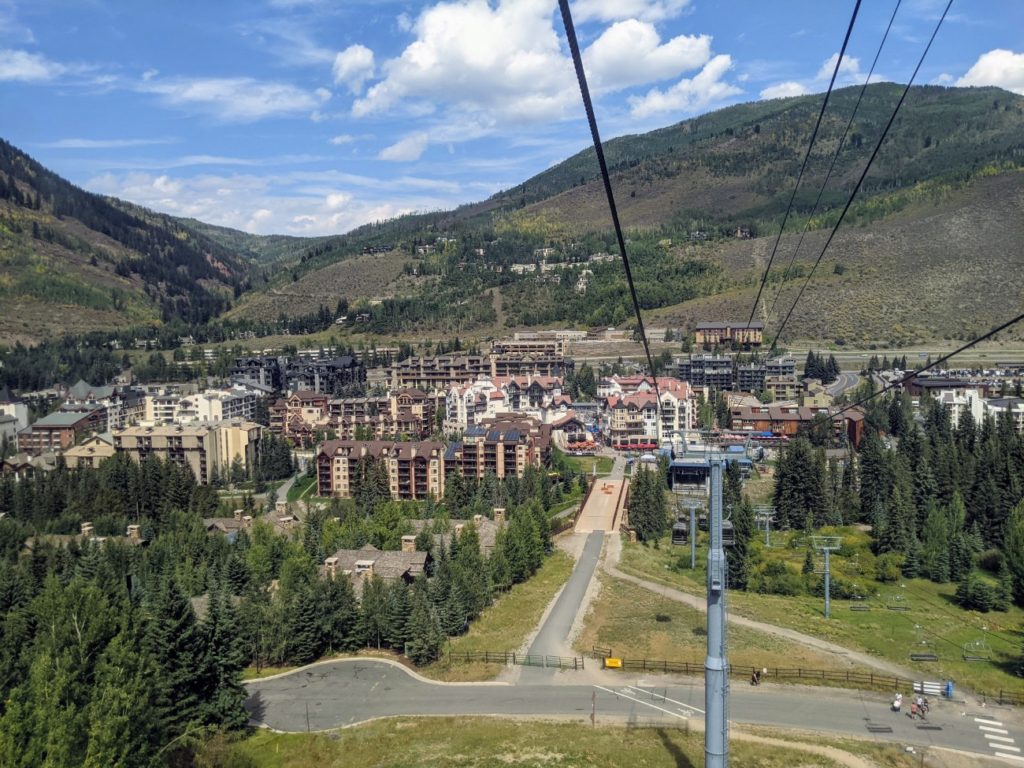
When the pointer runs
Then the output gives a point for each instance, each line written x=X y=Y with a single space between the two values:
x=504 y=626
x=635 y=623
x=585 y=464
x=480 y=742
x=929 y=621
x=301 y=488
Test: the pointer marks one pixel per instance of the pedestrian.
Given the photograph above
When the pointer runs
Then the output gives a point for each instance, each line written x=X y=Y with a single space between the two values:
x=913 y=710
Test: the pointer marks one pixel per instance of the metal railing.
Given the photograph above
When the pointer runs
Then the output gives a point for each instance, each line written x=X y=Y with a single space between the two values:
x=517 y=659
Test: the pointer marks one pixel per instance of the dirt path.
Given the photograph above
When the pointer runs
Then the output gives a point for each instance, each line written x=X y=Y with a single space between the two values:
x=611 y=561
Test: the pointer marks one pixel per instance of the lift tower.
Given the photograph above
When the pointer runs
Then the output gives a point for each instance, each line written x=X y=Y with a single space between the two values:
x=716 y=667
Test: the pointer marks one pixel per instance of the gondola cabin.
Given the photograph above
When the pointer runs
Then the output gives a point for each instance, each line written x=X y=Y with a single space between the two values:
x=680 y=532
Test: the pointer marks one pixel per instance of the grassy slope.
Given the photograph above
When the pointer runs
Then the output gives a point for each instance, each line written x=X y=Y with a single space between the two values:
x=506 y=624
x=886 y=633
x=47 y=288
x=479 y=742
x=942 y=269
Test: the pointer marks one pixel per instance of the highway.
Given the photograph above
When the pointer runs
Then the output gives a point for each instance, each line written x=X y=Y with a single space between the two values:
x=844 y=382
x=347 y=692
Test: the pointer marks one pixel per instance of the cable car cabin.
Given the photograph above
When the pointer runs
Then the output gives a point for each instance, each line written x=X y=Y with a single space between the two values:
x=728 y=533
x=680 y=532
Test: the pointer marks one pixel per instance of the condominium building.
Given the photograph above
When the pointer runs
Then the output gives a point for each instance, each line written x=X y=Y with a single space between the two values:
x=60 y=430
x=416 y=470
x=713 y=371
x=505 y=446
x=300 y=415
x=205 y=449
x=403 y=413
x=747 y=334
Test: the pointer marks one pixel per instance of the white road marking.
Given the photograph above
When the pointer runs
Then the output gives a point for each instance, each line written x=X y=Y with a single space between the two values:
x=990 y=737
x=1007 y=756
x=993 y=730
x=1007 y=747
x=640 y=701
x=665 y=698
x=986 y=721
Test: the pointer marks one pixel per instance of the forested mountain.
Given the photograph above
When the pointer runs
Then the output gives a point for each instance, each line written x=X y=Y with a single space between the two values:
x=73 y=260
x=703 y=201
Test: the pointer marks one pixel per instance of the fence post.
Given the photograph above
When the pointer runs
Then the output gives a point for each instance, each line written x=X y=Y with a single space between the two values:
x=513 y=658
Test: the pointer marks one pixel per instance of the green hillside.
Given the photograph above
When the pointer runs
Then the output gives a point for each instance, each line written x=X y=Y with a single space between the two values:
x=929 y=203
x=74 y=261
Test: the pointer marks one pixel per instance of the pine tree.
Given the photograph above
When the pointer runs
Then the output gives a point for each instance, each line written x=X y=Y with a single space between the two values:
x=175 y=642
x=1013 y=548
x=396 y=615
x=122 y=715
x=425 y=638
x=305 y=638
x=225 y=705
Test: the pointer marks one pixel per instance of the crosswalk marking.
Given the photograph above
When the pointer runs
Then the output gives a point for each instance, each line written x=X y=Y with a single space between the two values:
x=1006 y=747
x=1008 y=756
x=992 y=737
x=987 y=721
x=990 y=729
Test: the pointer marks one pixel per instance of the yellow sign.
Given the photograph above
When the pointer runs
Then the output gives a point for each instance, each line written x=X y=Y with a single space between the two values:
x=613 y=663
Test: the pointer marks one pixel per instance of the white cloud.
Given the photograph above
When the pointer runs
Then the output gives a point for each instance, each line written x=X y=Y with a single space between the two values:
x=104 y=143
x=503 y=63
x=28 y=67
x=617 y=10
x=149 y=74
x=343 y=138
x=784 y=90
x=408 y=149
x=631 y=53
x=353 y=67
x=850 y=67
x=234 y=99
x=998 y=67
x=308 y=203
x=689 y=94
x=944 y=79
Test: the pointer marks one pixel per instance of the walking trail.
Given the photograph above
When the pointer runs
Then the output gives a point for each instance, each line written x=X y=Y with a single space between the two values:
x=611 y=561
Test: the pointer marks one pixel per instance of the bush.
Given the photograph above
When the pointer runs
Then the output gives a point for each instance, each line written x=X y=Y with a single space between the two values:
x=888 y=567
x=976 y=594
x=991 y=560
x=774 y=578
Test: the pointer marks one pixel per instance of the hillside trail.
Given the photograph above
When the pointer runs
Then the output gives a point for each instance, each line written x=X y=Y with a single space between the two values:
x=611 y=561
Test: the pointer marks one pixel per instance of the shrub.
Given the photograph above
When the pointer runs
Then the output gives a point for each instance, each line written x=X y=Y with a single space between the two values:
x=774 y=578
x=888 y=567
x=976 y=594
x=991 y=560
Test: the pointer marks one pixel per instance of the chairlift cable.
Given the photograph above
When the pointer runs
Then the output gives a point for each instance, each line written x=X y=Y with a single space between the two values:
x=864 y=173
x=577 y=60
x=835 y=157
x=803 y=166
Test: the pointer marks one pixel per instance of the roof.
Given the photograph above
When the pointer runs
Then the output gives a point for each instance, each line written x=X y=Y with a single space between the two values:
x=62 y=419
x=710 y=326
x=7 y=397
x=82 y=390
x=386 y=564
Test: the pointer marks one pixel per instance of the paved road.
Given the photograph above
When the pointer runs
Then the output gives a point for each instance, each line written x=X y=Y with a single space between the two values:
x=342 y=693
x=553 y=637
x=844 y=382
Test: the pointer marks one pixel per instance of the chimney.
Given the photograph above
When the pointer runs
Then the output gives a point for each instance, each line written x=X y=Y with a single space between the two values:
x=459 y=527
x=499 y=515
x=408 y=543
x=135 y=532
x=331 y=567
x=87 y=530
x=477 y=519
x=247 y=521
x=238 y=514
x=281 y=507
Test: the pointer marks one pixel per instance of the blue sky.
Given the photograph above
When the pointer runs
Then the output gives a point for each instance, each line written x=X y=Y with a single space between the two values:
x=311 y=117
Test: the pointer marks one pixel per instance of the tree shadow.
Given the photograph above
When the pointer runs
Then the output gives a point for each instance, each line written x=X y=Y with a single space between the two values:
x=681 y=760
x=255 y=707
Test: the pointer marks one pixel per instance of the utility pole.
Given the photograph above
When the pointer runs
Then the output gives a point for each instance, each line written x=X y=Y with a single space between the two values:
x=827 y=544
x=716 y=668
